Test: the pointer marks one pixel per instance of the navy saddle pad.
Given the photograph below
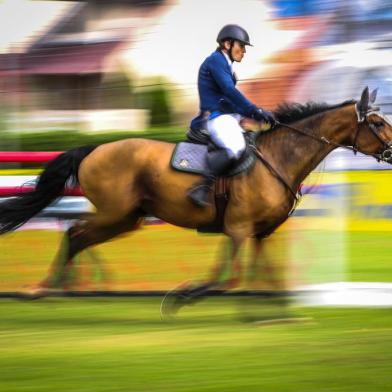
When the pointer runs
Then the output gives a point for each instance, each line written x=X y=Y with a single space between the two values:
x=192 y=158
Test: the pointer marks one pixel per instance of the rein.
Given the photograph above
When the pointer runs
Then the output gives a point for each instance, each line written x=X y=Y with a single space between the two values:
x=385 y=156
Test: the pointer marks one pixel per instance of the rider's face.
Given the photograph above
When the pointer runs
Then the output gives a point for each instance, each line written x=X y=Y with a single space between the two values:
x=238 y=50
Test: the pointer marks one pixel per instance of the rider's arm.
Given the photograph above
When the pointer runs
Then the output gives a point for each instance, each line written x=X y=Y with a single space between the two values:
x=222 y=75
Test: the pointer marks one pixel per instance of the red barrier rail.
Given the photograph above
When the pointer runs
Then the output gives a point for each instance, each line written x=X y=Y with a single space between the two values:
x=28 y=156
x=8 y=191
x=42 y=157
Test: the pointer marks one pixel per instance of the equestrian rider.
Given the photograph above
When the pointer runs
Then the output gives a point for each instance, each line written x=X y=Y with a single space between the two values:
x=222 y=106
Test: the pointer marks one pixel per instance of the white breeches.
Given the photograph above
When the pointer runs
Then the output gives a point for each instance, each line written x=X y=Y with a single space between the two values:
x=226 y=132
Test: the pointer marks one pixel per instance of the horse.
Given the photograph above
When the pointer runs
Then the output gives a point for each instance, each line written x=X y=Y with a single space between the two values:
x=131 y=178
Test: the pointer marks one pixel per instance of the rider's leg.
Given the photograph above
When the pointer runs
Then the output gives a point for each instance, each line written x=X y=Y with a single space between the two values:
x=226 y=134
x=218 y=161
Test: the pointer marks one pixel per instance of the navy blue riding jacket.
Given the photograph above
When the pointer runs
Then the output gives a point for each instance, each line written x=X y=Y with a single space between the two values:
x=217 y=91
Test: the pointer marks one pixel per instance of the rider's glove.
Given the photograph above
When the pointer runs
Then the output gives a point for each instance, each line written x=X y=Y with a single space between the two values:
x=264 y=116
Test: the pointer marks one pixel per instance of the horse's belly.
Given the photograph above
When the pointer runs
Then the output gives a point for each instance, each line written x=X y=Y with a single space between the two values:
x=180 y=214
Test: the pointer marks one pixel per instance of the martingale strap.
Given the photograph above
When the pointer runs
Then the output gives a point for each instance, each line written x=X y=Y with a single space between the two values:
x=275 y=173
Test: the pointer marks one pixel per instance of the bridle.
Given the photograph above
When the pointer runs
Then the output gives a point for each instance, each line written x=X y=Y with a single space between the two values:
x=385 y=155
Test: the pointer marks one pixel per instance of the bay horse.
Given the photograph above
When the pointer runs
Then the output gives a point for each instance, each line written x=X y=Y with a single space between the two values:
x=128 y=179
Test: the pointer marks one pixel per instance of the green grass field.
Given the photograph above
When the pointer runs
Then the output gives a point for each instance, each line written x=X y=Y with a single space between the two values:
x=120 y=344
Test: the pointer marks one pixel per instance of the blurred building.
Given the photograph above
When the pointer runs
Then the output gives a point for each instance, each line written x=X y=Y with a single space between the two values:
x=328 y=31
x=117 y=64
x=72 y=70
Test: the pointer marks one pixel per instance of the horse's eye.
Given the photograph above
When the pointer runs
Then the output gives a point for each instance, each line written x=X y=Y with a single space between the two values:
x=378 y=124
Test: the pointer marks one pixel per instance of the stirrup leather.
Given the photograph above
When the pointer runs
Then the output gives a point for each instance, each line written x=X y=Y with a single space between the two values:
x=200 y=195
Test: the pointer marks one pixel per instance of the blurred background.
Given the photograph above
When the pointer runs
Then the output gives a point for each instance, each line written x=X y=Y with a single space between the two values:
x=88 y=72
x=84 y=72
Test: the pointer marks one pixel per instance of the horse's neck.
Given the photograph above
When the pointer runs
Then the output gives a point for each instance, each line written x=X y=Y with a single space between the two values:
x=295 y=155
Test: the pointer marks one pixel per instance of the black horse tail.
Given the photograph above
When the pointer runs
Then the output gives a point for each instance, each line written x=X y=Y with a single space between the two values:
x=16 y=211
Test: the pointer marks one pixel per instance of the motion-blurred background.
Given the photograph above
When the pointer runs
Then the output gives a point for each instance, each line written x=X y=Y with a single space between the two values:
x=84 y=72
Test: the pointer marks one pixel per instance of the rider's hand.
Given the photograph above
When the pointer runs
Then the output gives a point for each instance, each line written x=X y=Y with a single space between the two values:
x=264 y=116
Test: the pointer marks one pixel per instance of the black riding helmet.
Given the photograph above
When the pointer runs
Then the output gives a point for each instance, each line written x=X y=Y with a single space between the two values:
x=233 y=32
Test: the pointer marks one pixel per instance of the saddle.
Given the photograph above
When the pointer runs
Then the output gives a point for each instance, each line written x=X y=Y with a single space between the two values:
x=191 y=157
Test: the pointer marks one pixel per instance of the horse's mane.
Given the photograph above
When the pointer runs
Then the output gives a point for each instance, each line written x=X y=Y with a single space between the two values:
x=289 y=112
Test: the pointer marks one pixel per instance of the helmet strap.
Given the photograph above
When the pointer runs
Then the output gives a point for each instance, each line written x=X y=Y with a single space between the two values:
x=230 y=51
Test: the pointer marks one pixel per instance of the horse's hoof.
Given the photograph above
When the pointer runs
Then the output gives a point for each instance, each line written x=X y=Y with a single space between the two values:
x=169 y=308
x=37 y=292
x=174 y=300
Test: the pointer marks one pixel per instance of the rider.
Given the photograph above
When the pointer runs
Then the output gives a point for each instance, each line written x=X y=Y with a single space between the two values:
x=223 y=106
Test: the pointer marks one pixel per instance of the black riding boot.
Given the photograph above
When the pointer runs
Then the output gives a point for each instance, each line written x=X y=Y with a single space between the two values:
x=218 y=163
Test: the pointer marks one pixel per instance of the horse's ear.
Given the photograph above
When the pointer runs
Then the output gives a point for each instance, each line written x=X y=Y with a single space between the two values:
x=373 y=95
x=363 y=103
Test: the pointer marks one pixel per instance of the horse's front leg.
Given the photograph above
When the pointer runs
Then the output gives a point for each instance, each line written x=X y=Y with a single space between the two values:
x=261 y=269
x=264 y=305
x=258 y=262
x=190 y=293
x=227 y=273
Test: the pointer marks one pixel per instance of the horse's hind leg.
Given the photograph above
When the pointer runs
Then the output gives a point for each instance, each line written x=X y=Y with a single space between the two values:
x=79 y=237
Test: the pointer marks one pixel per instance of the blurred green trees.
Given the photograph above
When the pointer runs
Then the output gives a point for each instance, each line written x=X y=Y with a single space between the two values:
x=155 y=98
x=64 y=140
